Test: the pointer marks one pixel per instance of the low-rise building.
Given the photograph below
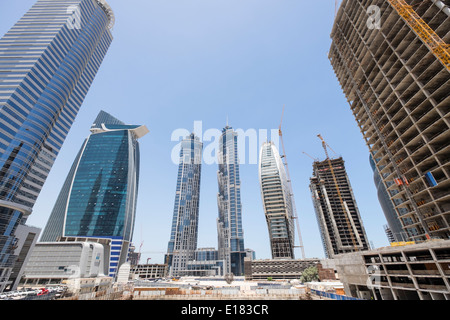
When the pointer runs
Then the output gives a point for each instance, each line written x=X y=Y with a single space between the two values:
x=402 y=271
x=150 y=271
x=56 y=262
x=277 y=269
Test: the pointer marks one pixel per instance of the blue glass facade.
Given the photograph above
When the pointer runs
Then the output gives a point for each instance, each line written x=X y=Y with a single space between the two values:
x=206 y=254
x=99 y=198
x=386 y=205
x=47 y=65
x=184 y=232
x=229 y=223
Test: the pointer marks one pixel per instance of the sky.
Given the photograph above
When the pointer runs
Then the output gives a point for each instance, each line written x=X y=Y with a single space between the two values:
x=173 y=63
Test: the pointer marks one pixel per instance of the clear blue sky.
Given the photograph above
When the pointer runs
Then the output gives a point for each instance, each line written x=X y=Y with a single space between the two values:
x=175 y=62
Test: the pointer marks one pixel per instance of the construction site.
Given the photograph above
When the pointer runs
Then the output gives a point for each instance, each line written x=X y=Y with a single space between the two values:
x=394 y=69
x=192 y=288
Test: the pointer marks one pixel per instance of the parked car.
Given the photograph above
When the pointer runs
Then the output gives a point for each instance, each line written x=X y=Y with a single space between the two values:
x=43 y=291
x=13 y=294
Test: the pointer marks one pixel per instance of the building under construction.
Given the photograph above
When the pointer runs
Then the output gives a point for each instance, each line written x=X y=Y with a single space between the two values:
x=392 y=60
x=337 y=214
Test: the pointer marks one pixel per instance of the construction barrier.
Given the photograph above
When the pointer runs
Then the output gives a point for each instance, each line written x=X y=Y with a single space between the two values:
x=332 y=296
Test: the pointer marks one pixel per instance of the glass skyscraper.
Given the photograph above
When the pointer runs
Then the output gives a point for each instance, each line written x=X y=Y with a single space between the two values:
x=393 y=222
x=184 y=233
x=229 y=223
x=98 y=199
x=48 y=61
x=277 y=202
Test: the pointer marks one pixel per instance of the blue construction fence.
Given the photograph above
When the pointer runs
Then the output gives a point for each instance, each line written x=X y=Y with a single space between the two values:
x=333 y=296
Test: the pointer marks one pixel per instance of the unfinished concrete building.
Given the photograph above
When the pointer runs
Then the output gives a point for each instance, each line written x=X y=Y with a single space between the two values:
x=404 y=272
x=340 y=223
x=150 y=271
x=392 y=60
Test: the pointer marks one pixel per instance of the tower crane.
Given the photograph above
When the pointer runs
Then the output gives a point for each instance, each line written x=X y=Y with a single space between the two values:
x=343 y=204
x=291 y=193
x=139 y=253
x=314 y=159
x=429 y=37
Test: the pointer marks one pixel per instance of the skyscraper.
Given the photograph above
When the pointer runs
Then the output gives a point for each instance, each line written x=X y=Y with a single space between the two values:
x=229 y=223
x=184 y=234
x=392 y=60
x=98 y=199
x=395 y=227
x=277 y=202
x=337 y=214
x=48 y=61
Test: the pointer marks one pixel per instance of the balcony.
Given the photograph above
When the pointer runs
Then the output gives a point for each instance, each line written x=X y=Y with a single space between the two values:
x=397 y=272
x=433 y=287
x=419 y=256
x=426 y=272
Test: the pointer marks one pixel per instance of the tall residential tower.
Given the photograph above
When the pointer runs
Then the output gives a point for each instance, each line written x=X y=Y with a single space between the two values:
x=48 y=61
x=98 y=198
x=392 y=60
x=277 y=202
x=337 y=214
x=184 y=234
x=229 y=223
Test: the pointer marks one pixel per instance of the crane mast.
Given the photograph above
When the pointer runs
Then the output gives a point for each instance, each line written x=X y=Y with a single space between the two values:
x=291 y=194
x=429 y=37
x=343 y=204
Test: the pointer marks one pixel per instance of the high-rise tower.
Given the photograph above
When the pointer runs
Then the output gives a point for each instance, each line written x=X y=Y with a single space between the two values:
x=395 y=227
x=277 y=203
x=48 y=61
x=392 y=60
x=184 y=234
x=337 y=214
x=229 y=223
x=98 y=199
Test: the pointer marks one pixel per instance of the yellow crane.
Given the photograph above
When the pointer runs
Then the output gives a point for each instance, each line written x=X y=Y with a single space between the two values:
x=428 y=36
x=291 y=194
x=314 y=159
x=343 y=204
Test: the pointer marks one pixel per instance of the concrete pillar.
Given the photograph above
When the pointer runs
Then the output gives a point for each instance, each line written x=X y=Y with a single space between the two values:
x=442 y=6
x=441 y=272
